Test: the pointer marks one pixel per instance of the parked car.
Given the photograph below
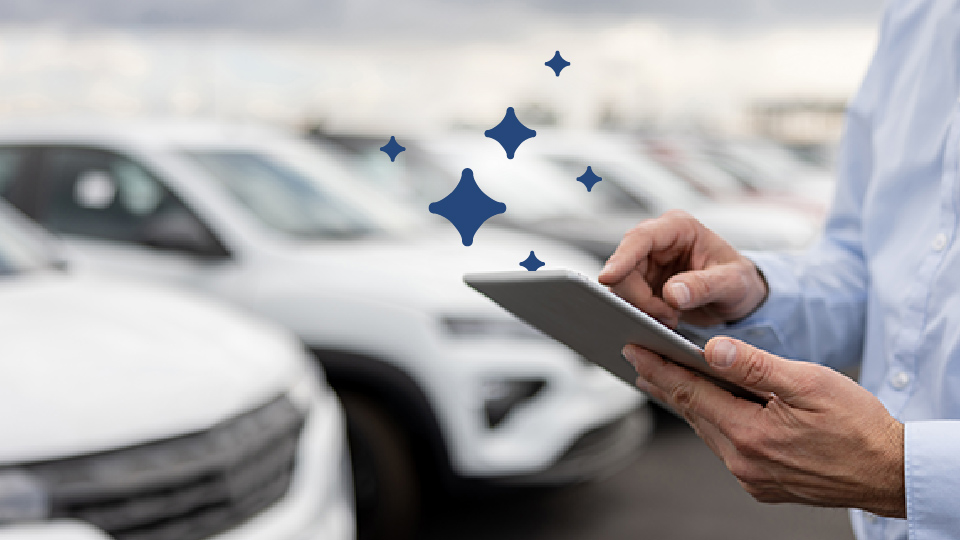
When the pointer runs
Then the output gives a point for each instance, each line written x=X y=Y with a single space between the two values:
x=435 y=379
x=770 y=168
x=747 y=223
x=696 y=161
x=131 y=412
x=542 y=195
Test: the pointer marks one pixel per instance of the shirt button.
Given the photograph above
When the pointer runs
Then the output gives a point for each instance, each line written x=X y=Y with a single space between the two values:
x=939 y=242
x=900 y=380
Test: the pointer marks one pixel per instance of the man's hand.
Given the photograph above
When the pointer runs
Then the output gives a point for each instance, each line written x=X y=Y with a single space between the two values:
x=673 y=268
x=821 y=439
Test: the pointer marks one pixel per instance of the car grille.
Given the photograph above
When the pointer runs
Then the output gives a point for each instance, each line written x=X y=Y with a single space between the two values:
x=186 y=488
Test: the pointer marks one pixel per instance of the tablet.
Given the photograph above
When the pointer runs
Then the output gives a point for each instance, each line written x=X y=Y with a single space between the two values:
x=591 y=320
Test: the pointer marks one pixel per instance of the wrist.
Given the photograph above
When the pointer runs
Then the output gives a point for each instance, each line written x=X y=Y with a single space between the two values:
x=889 y=490
x=758 y=286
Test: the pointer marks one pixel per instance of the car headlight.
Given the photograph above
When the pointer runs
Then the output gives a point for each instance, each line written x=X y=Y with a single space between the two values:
x=23 y=497
x=501 y=396
x=468 y=326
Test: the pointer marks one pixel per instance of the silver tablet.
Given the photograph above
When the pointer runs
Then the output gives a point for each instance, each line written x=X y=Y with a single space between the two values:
x=588 y=318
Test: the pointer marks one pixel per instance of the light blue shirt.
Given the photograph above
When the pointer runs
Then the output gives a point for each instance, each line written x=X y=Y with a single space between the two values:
x=882 y=287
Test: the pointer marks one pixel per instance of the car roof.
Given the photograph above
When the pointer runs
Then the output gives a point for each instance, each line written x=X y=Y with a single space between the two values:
x=135 y=132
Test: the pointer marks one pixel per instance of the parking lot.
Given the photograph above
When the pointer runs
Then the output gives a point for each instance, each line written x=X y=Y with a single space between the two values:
x=677 y=489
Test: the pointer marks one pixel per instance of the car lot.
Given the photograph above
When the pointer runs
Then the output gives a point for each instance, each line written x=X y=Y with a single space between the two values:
x=440 y=388
x=435 y=380
x=676 y=490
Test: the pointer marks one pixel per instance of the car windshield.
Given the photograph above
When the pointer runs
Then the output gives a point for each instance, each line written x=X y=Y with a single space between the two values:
x=283 y=197
x=18 y=251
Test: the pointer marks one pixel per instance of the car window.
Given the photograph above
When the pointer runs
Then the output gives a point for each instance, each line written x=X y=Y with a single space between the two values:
x=281 y=197
x=11 y=159
x=104 y=195
x=19 y=250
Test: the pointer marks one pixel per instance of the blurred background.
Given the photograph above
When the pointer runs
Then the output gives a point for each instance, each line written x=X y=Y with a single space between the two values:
x=730 y=109
x=736 y=67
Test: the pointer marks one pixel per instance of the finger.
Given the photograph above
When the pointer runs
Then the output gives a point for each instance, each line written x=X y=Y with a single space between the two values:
x=715 y=439
x=672 y=229
x=690 y=395
x=758 y=370
x=719 y=443
x=722 y=283
x=637 y=291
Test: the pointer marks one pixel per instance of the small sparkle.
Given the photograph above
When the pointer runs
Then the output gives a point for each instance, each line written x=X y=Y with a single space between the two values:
x=467 y=207
x=557 y=63
x=589 y=178
x=392 y=148
x=532 y=263
x=510 y=132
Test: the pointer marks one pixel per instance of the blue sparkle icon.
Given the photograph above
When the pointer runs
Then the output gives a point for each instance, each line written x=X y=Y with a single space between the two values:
x=557 y=63
x=467 y=207
x=532 y=263
x=392 y=148
x=589 y=178
x=510 y=132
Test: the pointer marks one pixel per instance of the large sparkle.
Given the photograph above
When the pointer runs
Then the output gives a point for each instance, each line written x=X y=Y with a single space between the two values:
x=467 y=207
x=532 y=263
x=510 y=132
x=589 y=178
x=557 y=63
x=392 y=148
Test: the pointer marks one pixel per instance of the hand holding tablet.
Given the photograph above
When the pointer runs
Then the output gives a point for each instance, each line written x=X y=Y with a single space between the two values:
x=590 y=319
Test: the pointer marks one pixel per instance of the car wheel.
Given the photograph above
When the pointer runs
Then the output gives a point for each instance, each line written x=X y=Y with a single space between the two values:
x=384 y=474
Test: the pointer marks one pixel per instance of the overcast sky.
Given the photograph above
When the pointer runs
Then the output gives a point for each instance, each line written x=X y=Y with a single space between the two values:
x=412 y=64
x=447 y=17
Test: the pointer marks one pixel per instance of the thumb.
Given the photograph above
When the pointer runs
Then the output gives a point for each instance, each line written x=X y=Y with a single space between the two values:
x=722 y=283
x=755 y=369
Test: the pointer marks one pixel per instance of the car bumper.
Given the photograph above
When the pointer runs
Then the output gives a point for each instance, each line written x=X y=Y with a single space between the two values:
x=598 y=453
x=577 y=398
x=318 y=505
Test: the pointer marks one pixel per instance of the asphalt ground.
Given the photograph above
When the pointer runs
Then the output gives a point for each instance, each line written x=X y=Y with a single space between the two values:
x=675 y=489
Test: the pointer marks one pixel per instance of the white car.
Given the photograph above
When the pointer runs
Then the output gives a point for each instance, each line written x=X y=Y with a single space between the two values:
x=747 y=224
x=134 y=412
x=433 y=376
x=770 y=168
x=542 y=195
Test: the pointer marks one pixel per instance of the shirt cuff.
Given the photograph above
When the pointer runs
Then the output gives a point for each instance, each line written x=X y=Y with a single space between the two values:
x=932 y=476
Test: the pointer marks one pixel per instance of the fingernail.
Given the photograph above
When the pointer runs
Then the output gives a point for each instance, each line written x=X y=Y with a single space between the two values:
x=606 y=268
x=724 y=353
x=627 y=353
x=681 y=293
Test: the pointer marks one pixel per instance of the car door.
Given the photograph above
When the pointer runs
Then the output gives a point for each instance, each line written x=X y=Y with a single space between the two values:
x=115 y=215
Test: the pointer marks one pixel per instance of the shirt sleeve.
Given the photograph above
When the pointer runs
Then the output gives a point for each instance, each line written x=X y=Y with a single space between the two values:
x=932 y=475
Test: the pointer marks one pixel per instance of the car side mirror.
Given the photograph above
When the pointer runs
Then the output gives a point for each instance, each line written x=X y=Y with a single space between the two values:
x=177 y=230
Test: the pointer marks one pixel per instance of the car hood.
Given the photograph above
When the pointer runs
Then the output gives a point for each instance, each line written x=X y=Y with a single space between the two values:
x=423 y=271
x=87 y=366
